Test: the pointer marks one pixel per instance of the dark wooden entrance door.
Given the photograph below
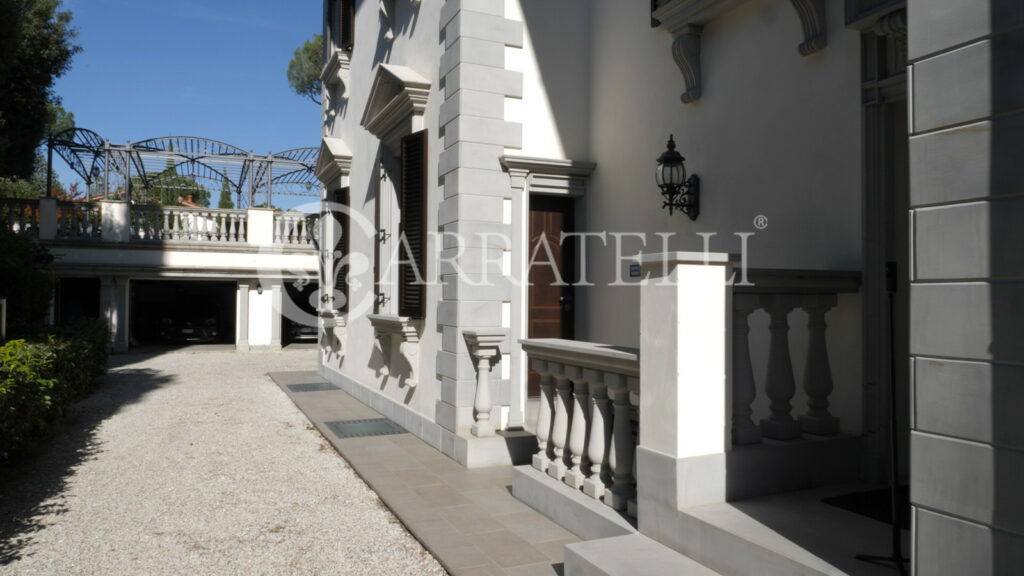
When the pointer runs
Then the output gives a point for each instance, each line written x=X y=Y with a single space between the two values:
x=550 y=312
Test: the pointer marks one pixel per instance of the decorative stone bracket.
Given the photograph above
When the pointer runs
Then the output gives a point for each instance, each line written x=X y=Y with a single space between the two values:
x=334 y=76
x=386 y=329
x=484 y=344
x=685 y=20
x=812 y=18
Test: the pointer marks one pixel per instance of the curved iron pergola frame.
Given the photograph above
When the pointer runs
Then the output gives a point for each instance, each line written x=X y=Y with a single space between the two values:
x=157 y=161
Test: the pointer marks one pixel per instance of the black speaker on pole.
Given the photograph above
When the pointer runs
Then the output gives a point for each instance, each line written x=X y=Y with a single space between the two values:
x=895 y=558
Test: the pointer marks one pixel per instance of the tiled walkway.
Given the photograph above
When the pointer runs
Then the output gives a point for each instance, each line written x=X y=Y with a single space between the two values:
x=467 y=518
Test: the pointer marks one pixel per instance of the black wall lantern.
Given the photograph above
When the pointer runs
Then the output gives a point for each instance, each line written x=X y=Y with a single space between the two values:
x=681 y=193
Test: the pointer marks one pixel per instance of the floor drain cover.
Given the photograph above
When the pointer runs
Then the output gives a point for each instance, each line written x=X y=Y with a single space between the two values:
x=360 y=428
x=312 y=387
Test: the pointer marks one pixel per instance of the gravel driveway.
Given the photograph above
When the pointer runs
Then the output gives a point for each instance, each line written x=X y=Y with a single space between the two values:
x=196 y=463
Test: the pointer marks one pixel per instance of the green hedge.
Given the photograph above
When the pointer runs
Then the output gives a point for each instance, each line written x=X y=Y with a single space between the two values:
x=40 y=379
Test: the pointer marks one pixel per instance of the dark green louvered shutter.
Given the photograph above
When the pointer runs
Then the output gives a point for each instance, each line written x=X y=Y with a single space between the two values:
x=412 y=294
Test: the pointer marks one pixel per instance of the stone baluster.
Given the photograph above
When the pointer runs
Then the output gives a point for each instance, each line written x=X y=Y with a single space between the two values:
x=578 y=428
x=243 y=228
x=817 y=370
x=744 y=431
x=223 y=224
x=486 y=345
x=74 y=226
x=165 y=227
x=547 y=389
x=599 y=430
x=779 y=383
x=277 y=229
x=620 y=455
x=560 y=428
x=175 y=230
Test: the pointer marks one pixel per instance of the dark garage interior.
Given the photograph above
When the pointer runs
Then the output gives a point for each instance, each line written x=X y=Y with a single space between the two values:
x=299 y=302
x=180 y=312
x=77 y=298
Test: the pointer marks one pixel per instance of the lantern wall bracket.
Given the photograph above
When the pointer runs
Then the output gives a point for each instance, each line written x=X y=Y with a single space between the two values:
x=685 y=199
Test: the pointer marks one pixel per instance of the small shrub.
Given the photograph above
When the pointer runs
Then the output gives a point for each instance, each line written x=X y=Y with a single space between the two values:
x=40 y=380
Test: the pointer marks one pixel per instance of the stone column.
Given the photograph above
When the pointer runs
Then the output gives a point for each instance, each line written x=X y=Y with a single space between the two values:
x=275 y=315
x=242 y=321
x=685 y=314
x=116 y=220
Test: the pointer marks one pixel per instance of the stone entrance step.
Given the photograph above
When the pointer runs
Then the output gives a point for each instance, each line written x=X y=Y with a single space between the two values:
x=630 y=555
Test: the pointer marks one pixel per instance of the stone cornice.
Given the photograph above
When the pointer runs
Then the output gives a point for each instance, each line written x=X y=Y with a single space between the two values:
x=334 y=163
x=398 y=94
x=550 y=176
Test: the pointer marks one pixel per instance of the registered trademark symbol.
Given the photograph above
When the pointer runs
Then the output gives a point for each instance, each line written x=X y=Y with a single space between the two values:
x=760 y=221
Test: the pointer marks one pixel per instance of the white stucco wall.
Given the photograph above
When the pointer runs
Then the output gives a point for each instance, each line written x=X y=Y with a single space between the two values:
x=775 y=134
x=417 y=45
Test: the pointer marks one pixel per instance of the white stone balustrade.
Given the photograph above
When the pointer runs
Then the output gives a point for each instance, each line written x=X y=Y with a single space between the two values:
x=79 y=220
x=294 y=228
x=586 y=416
x=778 y=293
x=157 y=223
x=485 y=345
x=20 y=216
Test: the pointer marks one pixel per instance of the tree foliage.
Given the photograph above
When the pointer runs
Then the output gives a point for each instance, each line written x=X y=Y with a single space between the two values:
x=35 y=185
x=36 y=47
x=225 y=201
x=305 y=67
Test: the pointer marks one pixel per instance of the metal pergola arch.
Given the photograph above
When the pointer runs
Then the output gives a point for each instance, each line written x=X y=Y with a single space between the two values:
x=185 y=162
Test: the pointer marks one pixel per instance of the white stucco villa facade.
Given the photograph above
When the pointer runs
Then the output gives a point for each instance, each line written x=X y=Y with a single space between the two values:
x=692 y=377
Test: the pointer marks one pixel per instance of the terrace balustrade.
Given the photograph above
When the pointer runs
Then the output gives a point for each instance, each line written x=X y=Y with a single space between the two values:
x=587 y=420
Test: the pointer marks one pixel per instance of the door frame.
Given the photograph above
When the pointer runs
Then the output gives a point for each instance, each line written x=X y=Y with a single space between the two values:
x=532 y=176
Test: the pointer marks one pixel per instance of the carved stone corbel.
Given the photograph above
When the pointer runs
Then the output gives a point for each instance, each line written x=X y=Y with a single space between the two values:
x=686 y=52
x=386 y=328
x=812 y=18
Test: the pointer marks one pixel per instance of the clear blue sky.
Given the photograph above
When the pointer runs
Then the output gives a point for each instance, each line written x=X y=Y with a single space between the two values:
x=209 y=68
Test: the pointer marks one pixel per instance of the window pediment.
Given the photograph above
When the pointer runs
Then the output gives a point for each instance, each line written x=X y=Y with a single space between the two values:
x=334 y=163
x=395 y=108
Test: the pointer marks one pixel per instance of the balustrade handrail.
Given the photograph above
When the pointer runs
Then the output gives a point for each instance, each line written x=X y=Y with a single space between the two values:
x=798 y=281
x=590 y=355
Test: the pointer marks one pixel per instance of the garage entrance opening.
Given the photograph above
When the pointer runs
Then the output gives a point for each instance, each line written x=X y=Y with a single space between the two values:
x=178 y=313
x=299 y=315
x=77 y=298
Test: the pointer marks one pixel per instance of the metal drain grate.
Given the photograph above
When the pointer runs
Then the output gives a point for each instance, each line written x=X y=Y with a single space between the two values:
x=361 y=428
x=312 y=387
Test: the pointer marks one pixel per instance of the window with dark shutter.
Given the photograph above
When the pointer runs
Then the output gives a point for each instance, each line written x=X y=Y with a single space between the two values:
x=412 y=291
x=341 y=266
x=348 y=24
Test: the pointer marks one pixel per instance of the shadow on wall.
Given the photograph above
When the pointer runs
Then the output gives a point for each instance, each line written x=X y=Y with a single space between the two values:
x=1007 y=297
x=404 y=18
x=31 y=490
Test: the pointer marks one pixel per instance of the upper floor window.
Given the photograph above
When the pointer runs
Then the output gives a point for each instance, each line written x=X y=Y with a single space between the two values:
x=341 y=22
